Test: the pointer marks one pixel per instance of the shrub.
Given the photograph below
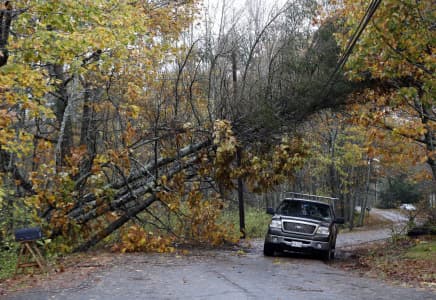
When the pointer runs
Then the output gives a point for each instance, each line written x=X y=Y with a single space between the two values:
x=399 y=190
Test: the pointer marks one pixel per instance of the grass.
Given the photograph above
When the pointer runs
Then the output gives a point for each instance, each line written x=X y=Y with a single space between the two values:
x=425 y=250
x=256 y=221
x=8 y=262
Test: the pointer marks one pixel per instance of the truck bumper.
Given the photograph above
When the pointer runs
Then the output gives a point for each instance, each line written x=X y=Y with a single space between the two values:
x=295 y=244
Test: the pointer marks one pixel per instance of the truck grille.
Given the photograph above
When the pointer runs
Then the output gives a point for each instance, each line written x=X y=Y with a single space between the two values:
x=299 y=227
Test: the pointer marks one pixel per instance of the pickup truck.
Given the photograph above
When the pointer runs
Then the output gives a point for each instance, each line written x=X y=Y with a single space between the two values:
x=303 y=223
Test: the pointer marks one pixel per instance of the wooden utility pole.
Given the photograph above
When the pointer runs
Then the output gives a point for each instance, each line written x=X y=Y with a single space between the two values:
x=239 y=149
x=241 y=196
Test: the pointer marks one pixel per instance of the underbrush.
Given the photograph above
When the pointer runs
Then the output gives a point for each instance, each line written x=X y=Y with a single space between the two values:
x=256 y=221
x=8 y=262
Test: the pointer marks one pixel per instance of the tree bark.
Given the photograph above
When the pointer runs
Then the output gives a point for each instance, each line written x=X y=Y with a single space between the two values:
x=5 y=26
x=88 y=130
x=140 y=184
x=63 y=110
x=430 y=140
x=116 y=224
x=241 y=196
x=365 y=200
x=131 y=212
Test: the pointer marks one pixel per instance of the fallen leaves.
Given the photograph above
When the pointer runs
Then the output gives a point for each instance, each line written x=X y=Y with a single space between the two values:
x=64 y=273
x=389 y=261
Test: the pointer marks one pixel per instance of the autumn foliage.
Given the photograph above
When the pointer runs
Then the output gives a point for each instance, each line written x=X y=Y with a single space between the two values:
x=116 y=118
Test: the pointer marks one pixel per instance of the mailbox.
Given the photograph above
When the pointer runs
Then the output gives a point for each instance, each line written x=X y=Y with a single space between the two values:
x=28 y=234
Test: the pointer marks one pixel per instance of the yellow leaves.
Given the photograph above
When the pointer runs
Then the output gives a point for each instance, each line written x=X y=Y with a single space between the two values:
x=223 y=133
x=2 y=196
x=289 y=156
x=394 y=44
x=135 y=239
x=225 y=153
x=197 y=216
x=135 y=111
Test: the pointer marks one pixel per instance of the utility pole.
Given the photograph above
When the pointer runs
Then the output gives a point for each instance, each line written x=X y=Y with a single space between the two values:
x=365 y=201
x=238 y=150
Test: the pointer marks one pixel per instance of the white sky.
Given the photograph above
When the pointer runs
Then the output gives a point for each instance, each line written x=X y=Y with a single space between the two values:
x=238 y=10
x=241 y=3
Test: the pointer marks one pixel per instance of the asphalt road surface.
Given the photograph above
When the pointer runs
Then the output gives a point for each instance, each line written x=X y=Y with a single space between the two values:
x=231 y=275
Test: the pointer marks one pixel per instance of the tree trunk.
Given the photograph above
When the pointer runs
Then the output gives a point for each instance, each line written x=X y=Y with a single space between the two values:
x=5 y=26
x=430 y=141
x=88 y=131
x=134 y=187
x=63 y=110
x=120 y=202
x=352 y=205
x=116 y=224
x=241 y=196
x=365 y=200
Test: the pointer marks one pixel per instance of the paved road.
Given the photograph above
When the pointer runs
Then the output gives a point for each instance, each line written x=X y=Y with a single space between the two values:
x=230 y=275
x=391 y=215
x=358 y=237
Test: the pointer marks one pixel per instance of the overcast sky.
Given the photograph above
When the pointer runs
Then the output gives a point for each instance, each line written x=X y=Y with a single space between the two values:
x=239 y=9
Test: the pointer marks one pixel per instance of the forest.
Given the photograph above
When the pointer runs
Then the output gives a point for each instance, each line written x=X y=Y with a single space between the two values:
x=138 y=124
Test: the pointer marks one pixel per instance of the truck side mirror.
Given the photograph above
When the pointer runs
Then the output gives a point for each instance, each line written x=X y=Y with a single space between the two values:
x=339 y=221
x=270 y=211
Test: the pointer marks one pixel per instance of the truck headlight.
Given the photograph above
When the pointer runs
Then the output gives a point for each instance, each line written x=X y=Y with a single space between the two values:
x=323 y=230
x=275 y=224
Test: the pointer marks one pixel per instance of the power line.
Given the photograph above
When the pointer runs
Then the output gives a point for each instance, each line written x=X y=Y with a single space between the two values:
x=352 y=42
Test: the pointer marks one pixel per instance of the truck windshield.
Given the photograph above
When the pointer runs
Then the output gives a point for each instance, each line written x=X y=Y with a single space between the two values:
x=305 y=209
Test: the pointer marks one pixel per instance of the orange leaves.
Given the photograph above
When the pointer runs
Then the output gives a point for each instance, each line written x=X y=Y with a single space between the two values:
x=196 y=220
x=196 y=216
x=202 y=224
x=77 y=155
x=262 y=171
x=130 y=134
x=289 y=156
x=390 y=261
x=6 y=118
x=119 y=158
x=136 y=239
x=225 y=153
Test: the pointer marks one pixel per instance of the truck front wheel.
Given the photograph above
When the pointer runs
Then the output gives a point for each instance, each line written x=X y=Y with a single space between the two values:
x=328 y=254
x=268 y=249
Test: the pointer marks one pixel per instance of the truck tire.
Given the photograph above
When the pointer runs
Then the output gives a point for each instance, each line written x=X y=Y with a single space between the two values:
x=329 y=254
x=268 y=249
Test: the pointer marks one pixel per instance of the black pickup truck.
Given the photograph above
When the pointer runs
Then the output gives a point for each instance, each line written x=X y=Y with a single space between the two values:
x=303 y=223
